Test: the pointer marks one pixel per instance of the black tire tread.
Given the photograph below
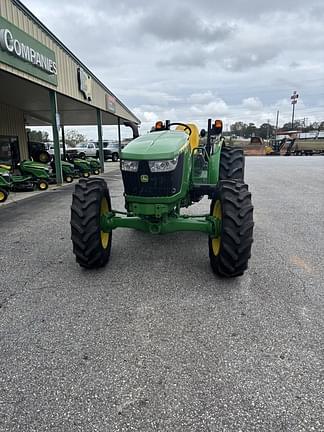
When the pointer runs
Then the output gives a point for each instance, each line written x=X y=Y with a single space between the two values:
x=85 y=223
x=232 y=163
x=6 y=194
x=236 y=231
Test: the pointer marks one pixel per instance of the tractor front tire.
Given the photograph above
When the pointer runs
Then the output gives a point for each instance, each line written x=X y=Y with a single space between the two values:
x=91 y=245
x=229 y=253
x=3 y=195
x=232 y=163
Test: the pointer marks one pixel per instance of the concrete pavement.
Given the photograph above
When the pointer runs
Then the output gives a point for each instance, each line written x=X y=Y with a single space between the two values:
x=154 y=341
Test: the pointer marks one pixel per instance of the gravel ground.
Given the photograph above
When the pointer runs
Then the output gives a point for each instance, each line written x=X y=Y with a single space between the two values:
x=155 y=341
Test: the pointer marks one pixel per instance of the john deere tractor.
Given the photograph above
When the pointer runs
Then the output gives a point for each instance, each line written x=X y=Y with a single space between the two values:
x=164 y=171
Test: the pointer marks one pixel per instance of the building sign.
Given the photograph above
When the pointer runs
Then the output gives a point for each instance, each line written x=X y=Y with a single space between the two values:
x=85 y=84
x=110 y=103
x=23 y=52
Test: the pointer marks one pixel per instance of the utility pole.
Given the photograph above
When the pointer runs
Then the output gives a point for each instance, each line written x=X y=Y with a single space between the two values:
x=277 y=120
x=268 y=128
x=294 y=99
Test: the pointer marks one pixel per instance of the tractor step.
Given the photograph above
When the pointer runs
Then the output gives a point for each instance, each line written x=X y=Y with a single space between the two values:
x=204 y=189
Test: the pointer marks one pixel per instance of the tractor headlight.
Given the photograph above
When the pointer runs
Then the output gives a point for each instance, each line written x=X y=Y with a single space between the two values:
x=128 y=165
x=163 y=165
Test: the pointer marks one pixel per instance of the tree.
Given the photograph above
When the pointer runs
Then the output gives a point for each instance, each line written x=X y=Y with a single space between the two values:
x=266 y=130
x=238 y=128
x=37 y=136
x=297 y=125
x=73 y=137
x=250 y=130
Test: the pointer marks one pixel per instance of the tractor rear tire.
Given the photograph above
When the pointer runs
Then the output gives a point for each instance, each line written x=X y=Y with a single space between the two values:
x=232 y=163
x=91 y=246
x=230 y=252
x=44 y=157
x=3 y=195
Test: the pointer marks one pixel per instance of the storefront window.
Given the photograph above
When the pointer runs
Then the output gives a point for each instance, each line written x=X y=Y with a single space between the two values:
x=9 y=150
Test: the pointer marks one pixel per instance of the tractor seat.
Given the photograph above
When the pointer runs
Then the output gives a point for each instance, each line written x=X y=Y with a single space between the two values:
x=194 y=137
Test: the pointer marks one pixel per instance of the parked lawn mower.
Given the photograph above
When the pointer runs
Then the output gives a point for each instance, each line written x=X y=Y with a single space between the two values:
x=94 y=165
x=162 y=172
x=68 y=171
x=82 y=167
x=16 y=183
x=39 y=173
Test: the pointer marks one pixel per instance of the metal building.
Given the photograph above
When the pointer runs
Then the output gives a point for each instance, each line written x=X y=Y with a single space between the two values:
x=43 y=83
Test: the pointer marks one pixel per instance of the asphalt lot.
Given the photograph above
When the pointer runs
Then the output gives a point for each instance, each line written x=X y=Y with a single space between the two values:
x=155 y=341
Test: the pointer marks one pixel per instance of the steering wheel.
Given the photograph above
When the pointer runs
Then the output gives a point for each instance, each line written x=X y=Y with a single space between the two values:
x=184 y=125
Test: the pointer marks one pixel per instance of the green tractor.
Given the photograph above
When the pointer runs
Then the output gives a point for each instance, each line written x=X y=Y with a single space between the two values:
x=163 y=172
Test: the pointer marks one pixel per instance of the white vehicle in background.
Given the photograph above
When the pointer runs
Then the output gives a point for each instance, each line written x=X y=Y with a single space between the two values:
x=86 y=149
x=70 y=151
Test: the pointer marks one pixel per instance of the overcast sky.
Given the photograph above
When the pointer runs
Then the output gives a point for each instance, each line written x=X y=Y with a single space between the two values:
x=187 y=60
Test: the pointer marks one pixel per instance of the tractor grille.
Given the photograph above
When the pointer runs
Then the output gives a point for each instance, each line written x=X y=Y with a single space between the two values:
x=159 y=184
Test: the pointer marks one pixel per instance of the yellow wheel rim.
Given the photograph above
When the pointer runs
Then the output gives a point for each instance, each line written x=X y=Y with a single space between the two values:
x=2 y=196
x=217 y=213
x=104 y=209
x=42 y=186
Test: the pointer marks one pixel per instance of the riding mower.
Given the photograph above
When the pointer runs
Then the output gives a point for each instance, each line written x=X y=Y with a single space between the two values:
x=162 y=172
x=32 y=175
x=82 y=167
x=39 y=173
x=94 y=165
x=68 y=171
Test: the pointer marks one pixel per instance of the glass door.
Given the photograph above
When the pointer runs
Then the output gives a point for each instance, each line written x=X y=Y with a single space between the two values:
x=9 y=150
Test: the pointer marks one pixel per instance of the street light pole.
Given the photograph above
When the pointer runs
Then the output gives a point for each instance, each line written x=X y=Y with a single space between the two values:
x=294 y=98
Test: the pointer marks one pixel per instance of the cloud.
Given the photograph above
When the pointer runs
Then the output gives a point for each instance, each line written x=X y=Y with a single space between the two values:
x=186 y=60
x=252 y=103
x=212 y=109
x=181 y=23
x=200 y=98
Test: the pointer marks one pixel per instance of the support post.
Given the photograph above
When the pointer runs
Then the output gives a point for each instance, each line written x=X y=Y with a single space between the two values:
x=293 y=117
x=119 y=137
x=277 y=122
x=56 y=139
x=101 y=153
x=63 y=142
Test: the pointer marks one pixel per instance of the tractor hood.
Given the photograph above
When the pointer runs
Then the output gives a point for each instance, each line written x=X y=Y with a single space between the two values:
x=156 y=146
